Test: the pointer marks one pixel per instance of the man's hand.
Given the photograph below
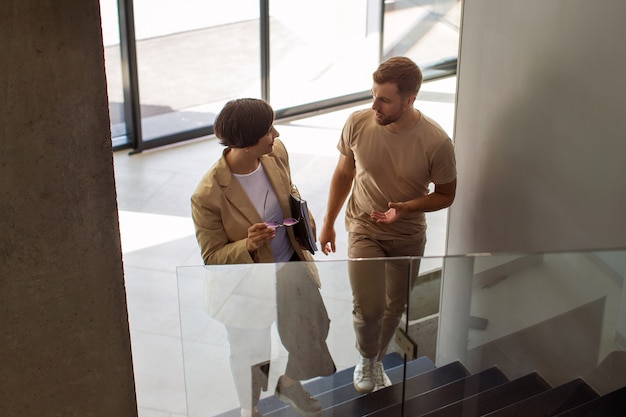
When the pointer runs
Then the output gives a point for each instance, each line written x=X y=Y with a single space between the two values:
x=396 y=210
x=327 y=239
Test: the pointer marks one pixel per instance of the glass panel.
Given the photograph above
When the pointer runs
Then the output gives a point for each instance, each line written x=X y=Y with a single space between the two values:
x=320 y=50
x=113 y=67
x=193 y=56
x=425 y=30
x=562 y=315
x=492 y=319
x=231 y=337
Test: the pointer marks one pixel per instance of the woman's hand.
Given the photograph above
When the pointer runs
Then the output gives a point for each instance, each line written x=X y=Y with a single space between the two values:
x=258 y=235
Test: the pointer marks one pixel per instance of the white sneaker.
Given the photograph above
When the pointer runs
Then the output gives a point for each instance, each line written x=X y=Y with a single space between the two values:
x=381 y=380
x=363 y=381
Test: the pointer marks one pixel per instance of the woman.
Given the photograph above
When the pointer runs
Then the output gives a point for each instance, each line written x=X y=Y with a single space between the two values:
x=239 y=210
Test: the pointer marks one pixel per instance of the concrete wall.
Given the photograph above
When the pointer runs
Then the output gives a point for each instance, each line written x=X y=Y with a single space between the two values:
x=64 y=337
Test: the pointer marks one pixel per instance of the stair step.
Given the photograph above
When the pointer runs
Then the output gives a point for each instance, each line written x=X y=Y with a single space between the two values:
x=612 y=404
x=451 y=391
x=433 y=399
x=393 y=364
x=551 y=402
x=360 y=405
x=494 y=398
x=338 y=388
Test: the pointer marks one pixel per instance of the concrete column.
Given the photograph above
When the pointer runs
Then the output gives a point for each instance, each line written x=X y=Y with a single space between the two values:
x=64 y=337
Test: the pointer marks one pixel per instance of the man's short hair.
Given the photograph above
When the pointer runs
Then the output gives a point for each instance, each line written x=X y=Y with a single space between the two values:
x=402 y=72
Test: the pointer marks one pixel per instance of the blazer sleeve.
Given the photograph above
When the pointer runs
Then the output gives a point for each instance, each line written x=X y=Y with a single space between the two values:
x=217 y=246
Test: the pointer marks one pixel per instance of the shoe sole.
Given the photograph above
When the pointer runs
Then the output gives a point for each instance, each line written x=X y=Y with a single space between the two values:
x=299 y=411
x=379 y=387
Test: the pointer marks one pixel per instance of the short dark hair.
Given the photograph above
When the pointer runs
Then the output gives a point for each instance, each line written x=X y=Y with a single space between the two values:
x=402 y=72
x=243 y=122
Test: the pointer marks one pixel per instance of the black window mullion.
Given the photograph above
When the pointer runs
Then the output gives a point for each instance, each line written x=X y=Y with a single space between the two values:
x=130 y=80
x=264 y=19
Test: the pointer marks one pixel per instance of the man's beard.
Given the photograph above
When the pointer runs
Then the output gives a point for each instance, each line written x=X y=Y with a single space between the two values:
x=385 y=120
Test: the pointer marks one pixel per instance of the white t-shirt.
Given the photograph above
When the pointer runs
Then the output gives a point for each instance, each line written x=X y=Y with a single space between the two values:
x=262 y=195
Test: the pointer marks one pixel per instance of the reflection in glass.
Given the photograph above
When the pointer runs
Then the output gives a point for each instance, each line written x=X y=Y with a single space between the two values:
x=554 y=313
x=247 y=299
x=561 y=315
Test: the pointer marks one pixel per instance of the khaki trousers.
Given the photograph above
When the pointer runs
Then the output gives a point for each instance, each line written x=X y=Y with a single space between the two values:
x=380 y=288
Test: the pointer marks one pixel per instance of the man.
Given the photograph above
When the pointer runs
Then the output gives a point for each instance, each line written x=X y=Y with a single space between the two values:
x=389 y=155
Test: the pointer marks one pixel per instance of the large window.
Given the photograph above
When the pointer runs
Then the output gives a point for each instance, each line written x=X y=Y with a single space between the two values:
x=426 y=31
x=192 y=56
x=172 y=65
x=113 y=65
x=323 y=49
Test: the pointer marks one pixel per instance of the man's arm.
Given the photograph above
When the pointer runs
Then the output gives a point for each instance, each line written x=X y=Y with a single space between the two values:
x=440 y=198
x=340 y=186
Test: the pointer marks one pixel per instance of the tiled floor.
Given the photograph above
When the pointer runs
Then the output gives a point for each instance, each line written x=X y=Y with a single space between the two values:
x=157 y=233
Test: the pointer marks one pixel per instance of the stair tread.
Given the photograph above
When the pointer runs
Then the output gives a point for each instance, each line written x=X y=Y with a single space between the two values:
x=393 y=364
x=612 y=404
x=450 y=391
x=338 y=388
x=551 y=402
x=365 y=404
x=442 y=395
x=494 y=398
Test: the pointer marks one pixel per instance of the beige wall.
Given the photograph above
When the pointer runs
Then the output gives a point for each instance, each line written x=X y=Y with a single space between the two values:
x=64 y=347
x=540 y=139
x=540 y=133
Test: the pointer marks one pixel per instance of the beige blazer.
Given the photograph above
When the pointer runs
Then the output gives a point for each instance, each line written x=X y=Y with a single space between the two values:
x=222 y=211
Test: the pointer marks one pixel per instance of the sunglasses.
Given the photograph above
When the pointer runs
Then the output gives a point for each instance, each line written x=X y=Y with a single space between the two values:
x=290 y=221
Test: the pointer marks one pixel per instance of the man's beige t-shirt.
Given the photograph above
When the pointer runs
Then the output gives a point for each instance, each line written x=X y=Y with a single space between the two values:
x=393 y=167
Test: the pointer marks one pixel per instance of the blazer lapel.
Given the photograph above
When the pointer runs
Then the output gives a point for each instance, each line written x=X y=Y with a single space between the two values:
x=235 y=193
x=280 y=182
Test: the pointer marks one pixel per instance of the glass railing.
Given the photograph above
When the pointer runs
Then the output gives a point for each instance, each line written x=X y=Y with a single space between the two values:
x=562 y=315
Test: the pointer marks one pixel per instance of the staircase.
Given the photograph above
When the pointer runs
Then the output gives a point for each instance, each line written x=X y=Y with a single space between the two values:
x=452 y=391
